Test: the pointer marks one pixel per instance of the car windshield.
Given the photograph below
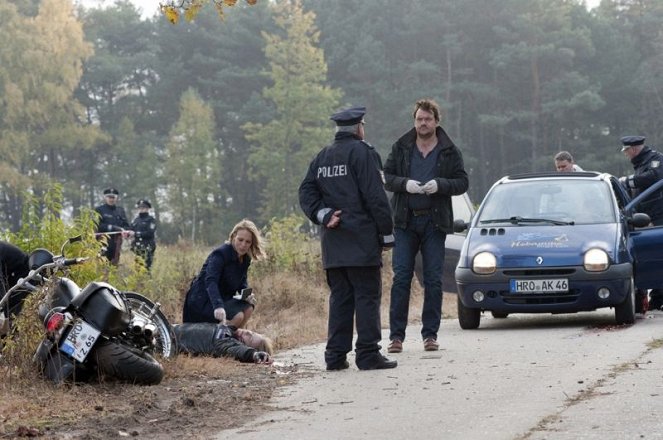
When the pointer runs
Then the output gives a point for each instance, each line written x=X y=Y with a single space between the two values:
x=554 y=201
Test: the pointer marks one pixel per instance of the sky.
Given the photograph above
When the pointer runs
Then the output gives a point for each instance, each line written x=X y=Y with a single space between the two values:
x=150 y=7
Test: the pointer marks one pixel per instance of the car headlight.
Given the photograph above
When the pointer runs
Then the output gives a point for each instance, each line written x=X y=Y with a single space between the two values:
x=484 y=263
x=596 y=260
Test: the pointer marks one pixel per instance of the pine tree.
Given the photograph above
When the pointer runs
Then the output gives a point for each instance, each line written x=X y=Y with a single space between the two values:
x=282 y=148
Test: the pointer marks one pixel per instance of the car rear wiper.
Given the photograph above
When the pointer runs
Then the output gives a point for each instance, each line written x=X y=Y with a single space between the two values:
x=518 y=220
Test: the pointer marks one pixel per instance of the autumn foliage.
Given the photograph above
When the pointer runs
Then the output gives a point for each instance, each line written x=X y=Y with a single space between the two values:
x=173 y=9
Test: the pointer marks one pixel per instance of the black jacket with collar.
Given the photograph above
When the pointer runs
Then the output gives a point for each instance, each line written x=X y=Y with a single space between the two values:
x=450 y=176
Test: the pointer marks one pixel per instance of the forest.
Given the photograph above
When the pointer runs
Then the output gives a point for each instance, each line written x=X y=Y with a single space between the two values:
x=215 y=120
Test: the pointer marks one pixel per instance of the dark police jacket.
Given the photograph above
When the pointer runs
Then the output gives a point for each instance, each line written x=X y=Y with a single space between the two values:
x=450 y=175
x=346 y=175
x=144 y=227
x=221 y=276
x=648 y=166
x=13 y=266
x=113 y=218
x=207 y=339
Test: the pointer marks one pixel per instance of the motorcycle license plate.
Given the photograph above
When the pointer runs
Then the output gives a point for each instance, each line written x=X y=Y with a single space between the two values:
x=79 y=340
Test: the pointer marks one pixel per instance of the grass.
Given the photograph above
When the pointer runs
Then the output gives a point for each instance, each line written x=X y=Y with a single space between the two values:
x=292 y=309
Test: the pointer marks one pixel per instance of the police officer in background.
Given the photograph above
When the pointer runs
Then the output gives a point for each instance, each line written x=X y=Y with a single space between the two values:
x=343 y=192
x=144 y=227
x=648 y=166
x=113 y=219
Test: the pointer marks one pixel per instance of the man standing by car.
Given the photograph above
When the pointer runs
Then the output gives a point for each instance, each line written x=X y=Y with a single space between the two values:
x=344 y=193
x=648 y=166
x=424 y=169
x=564 y=163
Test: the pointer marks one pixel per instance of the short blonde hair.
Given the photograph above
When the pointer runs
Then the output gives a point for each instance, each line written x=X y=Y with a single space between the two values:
x=257 y=250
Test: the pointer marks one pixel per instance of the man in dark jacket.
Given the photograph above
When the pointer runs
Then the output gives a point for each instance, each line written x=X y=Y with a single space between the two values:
x=113 y=220
x=424 y=169
x=219 y=340
x=144 y=227
x=648 y=166
x=343 y=192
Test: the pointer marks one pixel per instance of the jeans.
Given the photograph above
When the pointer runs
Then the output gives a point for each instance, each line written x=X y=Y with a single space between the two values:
x=420 y=235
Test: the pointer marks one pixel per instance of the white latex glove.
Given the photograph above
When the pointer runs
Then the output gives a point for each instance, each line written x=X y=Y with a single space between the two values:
x=220 y=315
x=430 y=187
x=413 y=187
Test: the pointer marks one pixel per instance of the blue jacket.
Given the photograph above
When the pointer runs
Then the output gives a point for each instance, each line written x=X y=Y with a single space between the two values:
x=221 y=276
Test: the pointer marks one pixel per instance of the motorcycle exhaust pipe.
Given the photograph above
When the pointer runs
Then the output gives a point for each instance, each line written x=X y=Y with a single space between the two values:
x=137 y=326
x=149 y=330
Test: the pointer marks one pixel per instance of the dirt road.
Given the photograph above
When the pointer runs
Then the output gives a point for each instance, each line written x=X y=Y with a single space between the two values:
x=524 y=377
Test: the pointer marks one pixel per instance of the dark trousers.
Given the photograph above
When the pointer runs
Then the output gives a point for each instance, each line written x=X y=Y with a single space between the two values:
x=420 y=235
x=113 y=249
x=355 y=292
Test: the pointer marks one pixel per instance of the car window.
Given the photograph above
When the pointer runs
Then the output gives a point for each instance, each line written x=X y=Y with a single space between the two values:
x=569 y=200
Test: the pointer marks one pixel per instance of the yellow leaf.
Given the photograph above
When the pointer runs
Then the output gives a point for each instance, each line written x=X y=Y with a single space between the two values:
x=252 y=2
x=230 y=2
x=191 y=12
x=171 y=13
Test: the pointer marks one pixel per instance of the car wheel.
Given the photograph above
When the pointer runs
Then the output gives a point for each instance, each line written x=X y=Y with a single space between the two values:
x=499 y=315
x=625 y=312
x=468 y=318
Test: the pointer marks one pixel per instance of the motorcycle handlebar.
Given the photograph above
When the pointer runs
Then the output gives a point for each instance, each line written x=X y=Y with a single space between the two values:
x=58 y=262
x=72 y=261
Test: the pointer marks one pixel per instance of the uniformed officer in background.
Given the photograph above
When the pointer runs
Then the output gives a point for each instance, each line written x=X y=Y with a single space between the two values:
x=648 y=166
x=113 y=219
x=343 y=192
x=144 y=227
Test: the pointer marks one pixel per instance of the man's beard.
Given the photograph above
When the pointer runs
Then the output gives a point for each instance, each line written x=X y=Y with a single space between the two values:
x=427 y=135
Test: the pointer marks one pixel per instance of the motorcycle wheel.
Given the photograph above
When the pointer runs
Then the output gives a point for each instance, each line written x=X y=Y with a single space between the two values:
x=57 y=367
x=166 y=342
x=127 y=364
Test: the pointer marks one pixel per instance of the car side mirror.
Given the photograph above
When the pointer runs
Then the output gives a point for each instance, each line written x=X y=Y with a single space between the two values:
x=639 y=220
x=460 y=225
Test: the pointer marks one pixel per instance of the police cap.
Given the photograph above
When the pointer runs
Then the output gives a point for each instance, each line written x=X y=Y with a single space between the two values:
x=349 y=116
x=632 y=141
x=143 y=203
x=111 y=191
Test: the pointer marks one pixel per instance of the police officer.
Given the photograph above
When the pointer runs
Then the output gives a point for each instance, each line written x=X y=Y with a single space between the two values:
x=144 y=227
x=343 y=192
x=113 y=220
x=648 y=166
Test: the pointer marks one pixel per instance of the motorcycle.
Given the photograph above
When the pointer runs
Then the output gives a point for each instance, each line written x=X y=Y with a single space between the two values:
x=94 y=331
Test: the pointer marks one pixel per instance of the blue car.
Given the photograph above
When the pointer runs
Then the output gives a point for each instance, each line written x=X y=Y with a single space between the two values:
x=557 y=243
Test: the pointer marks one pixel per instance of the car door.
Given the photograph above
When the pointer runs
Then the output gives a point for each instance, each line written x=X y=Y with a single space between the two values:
x=646 y=245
